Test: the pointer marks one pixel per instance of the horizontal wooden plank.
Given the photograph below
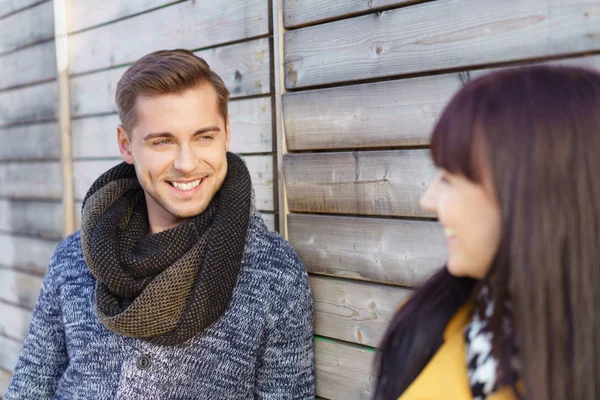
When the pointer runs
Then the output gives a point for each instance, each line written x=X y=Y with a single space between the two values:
x=82 y=14
x=35 y=180
x=29 y=26
x=400 y=252
x=10 y=350
x=357 y=312
x=29 y=104
x=244 y=67
x=260 y=167
x=269 y=220
x=5 y=378
x=32 y=64
x=387 y=183
x=35 y=218
x=38 y=141
x=19 y=287
x=343 y=371
x=26 y=253
x=12 y=6
x=199 y=24
x=315 y=11
x=383 y=114
x=250 y=125
x=14 y=321
x=466 y=33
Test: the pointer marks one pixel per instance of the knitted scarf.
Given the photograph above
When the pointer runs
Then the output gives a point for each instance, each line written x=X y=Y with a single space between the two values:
x=169 y=286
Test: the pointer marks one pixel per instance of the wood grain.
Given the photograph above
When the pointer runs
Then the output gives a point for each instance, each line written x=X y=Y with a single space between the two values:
x=37 y=141
x=13 y=6
x=5 y=378
x=32 y=218
x=400 y=252
x=9 y=353
x=315 y=11
x=30 y=26
x=200 y=24
x=357 y=312
x=32 y=180
x=383 y=114
x=466 y=33
x=244 y=68
x=29 y=104
x=82 y=14
x=26 y=253
x=343 y=371
x=14 y=321
x=19 y=287
x=385 y=183
x=29 y=65
x=260 y=167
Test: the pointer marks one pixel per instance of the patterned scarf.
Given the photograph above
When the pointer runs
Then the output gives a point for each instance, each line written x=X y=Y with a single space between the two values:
x=482 y=366
x=169 y=286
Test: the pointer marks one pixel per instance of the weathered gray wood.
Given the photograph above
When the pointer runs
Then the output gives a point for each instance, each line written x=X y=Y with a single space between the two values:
x=29 y=65
x=352 y=311
x=35 y=180
x=29 y=104
x=387 y=183
x=383 y=114
x=35 y=218
x=343 y=371
x=466 y=32
x=13 y=6
x=269 y=220
x=84 y=14
x=250 y=125
x=198 y=24
x=260 y=167
x=400 y=252
x=14 y=321
x=314 y=11
x=5 y=378
x=26 y=253
x=19 y=288
x=29 y=26
x=244 y=67
x=38 y=141
x=9 y=353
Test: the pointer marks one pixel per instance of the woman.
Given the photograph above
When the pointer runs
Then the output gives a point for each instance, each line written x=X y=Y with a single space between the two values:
x=516 y=311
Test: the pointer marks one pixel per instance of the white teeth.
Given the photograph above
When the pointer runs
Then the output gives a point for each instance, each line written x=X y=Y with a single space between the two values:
x=187 y=186
x=448 y=232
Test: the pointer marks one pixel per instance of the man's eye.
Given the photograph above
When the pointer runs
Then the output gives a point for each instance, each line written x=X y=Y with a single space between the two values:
x=162 y=142
x=205 y=138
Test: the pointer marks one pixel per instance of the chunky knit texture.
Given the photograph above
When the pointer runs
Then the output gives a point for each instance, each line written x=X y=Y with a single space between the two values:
x=260 y=348
x=169 y=286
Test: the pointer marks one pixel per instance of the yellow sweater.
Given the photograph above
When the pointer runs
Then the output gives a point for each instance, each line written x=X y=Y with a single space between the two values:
x=445 y=376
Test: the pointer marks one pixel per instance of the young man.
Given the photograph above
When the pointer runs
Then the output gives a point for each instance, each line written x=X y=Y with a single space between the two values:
x=174 y=288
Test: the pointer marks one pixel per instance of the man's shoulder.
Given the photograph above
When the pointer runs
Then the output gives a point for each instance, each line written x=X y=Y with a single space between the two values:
x=68 y=257
x=273 y=257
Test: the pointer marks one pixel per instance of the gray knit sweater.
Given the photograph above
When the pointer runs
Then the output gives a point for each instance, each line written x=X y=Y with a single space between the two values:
x=260 y=348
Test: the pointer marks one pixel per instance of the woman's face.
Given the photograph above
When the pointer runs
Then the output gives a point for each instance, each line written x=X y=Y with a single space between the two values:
x=470 y=215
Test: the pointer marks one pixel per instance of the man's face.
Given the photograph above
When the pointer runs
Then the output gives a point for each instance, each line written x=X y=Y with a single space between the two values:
x=178 y=148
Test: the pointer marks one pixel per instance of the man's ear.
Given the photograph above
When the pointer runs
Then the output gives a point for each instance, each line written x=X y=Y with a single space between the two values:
x=227 y=133
x=124 y=144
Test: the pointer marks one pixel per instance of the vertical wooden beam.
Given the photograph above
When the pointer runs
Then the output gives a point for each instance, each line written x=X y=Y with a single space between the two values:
x=62 y=63
x=279 y=79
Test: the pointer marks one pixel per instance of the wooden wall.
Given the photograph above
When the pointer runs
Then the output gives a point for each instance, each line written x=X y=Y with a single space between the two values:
x=31 y=219
x=365 y=84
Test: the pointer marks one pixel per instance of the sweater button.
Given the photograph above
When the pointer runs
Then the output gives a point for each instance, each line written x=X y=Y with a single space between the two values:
x=143 y=362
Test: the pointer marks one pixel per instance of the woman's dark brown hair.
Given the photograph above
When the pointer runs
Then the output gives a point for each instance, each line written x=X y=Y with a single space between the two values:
x=537 y=131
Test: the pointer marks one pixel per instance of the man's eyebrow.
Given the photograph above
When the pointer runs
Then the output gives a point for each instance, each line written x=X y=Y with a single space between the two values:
x=213 y=128
x=154 y=135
